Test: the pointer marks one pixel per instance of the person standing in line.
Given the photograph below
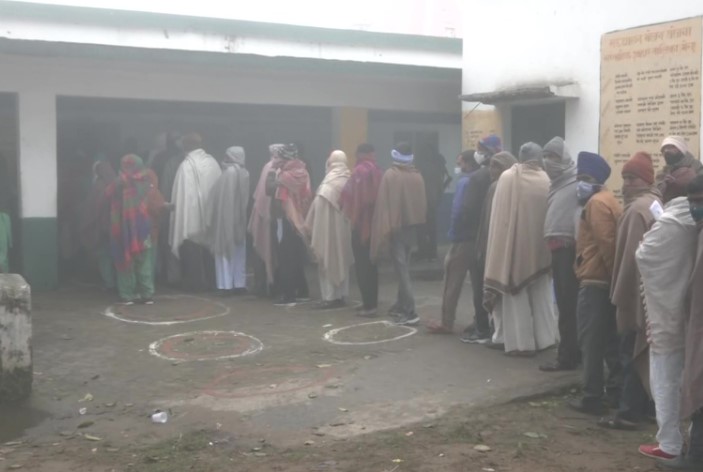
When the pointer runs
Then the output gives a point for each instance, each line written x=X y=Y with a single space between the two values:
x=289 y=184
x=263 y=227
x=676 y=155
x=196 y=177
x=157 y=207
x=595 y=254
x=227 y=217
x=642 y=208
x=330 y=234
x=560 y=234
x=166 y=162
x=400 y=209
x=517 y=284
x=95 y=224
x=471 y=189
x=130 y=232
x=480 y=331
x=691 y=391
x=358 y=202
x=433 y=168
x=665 y=265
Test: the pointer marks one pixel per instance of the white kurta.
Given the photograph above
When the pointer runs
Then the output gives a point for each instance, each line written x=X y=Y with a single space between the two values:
x=231 y=271
x=194 y=181
x=527 y=321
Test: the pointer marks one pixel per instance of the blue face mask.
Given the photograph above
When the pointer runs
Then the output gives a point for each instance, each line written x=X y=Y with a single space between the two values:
x=696 y=213
x=585 y=190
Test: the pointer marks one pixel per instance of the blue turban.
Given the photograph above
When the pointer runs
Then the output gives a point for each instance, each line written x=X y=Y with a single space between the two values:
x=594 y=165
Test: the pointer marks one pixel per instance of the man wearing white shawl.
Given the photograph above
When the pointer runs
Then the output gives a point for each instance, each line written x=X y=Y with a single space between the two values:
x=330 y=233
x=665 y=264
x=227 y=216
x=195 y=179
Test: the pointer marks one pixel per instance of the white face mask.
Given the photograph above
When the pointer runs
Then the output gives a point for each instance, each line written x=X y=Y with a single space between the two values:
x=457 y=170
x=479 y=157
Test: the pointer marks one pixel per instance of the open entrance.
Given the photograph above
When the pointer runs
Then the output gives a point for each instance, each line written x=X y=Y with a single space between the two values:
x=9 y=183
x=538 y=123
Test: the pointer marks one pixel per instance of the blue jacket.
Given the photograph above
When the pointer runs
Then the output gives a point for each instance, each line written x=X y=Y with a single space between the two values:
x=467 y=205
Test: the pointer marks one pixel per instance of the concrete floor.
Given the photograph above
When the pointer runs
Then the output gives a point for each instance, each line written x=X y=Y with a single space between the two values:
x=293 y=384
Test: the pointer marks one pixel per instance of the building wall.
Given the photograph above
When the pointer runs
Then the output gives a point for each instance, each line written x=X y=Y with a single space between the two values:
x=551 y=41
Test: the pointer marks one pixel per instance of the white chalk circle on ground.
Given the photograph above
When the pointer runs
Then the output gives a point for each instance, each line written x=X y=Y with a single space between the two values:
x=300 y=306
x=151 y=315
x=199 y=346
x=331 y=335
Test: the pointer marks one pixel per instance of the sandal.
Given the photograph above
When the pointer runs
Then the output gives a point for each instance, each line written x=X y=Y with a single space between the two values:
x=617 y=424
x=435 y=328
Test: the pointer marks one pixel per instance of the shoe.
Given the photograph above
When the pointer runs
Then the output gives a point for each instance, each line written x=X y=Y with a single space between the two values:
x=438 y=328
x=475 y=338
x=126 y=303
x=557 y=366
x=595 y=408
x=653 y=451
x=302 y=299
x=284 y=302
x=495 y=346
x=147 y=301
x=680 y=463
x=373 y=313
x=408 y=320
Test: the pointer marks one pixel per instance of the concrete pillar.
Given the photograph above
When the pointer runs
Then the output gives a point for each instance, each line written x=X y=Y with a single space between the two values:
x=351 y=128
x=38 y=188
x=15 y=338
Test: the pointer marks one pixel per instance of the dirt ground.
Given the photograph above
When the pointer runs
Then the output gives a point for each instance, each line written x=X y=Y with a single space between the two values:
x=537 y=435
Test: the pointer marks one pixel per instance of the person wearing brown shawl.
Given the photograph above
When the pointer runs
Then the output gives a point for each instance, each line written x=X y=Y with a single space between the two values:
x=330 y=234
x=358 y=201
x=400 y=208
x=289 y=184
x=692 y=379
x=677 y=156
x=95 y=224
x=642 y=207
x=518 y=262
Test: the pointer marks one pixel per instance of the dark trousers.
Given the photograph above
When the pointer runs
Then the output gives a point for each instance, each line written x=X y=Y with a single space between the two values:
x=366 y=272
x=695 y=447
x=633 y=398
x=292 y=251
x=197 y=267
x=598 y=339
x=566 y=288
x=477 y=268
x=456 y=265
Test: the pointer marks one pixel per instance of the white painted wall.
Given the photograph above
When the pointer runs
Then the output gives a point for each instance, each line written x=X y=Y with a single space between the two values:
x=550 y=41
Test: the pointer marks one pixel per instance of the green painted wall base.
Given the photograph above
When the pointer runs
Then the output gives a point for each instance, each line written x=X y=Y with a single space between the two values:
x=39 y=253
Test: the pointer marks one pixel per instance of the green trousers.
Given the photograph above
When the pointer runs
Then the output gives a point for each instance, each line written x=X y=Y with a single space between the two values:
x=137 y=281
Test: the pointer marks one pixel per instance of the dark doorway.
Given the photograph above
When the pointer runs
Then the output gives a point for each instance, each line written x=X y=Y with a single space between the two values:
x=9 y=174
x=537 y=123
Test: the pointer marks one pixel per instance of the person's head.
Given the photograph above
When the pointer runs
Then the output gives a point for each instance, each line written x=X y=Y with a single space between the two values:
x=695 y=198
x=466 y=162
x=673 y=149
x=289 y=152
x=402 y=153
x=487 y=147
x=191 y=141
x=637 y=174
x=337 y=159
x=592 y=173
x=531 y=152
x=130 y=165
x=500 y=162
x=365 y=152
x=557 y=158
x=103 y=171
x=275 y=150
x=235 y=155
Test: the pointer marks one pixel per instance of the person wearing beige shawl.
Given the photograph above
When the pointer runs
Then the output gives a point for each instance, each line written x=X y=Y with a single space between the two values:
x=330 y=233
x=642 y=207
x=400 y=208
x=517 y=275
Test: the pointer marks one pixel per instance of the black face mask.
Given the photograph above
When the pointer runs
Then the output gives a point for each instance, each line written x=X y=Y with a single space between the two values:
x=672 y=159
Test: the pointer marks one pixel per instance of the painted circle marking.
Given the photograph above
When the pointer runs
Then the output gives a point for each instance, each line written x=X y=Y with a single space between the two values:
x=300 y=306
x=110 y=312
x=330 y=335
x=166 y=348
